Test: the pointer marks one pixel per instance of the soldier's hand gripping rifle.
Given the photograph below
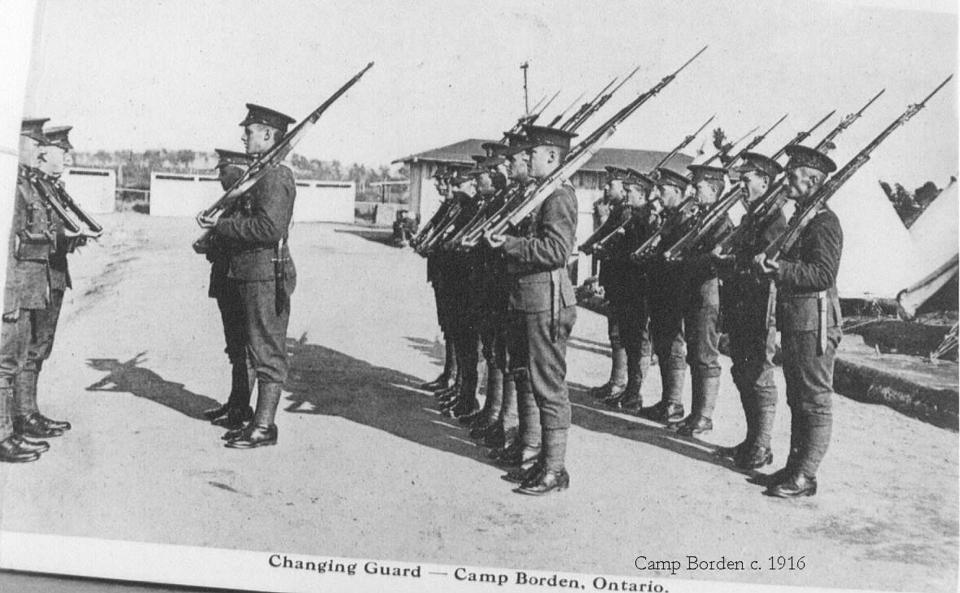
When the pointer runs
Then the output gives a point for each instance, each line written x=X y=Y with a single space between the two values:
x=807 y=212
x=763 y=212
x=274 y=156
x=578 y=156
x=696 y=238
x=603 y=235
x=450 y=214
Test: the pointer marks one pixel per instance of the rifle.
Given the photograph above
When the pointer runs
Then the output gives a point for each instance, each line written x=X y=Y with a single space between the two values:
x=583 y=108
x=577 y=157
x=273 y=156
x=601 y=236
x=599 y=104
x=431 y=224
x=554 y=121
x=73 y=216
x=762 y=212
x=694 y=238
x=808 y=211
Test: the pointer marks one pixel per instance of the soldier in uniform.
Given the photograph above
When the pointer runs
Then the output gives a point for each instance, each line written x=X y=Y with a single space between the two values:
x=631 y=309
x=748 y=318
x=607 y=211
x=236 y=411
x=27 y=297
x=665 y=293
x=543 y=307
x=458 y=273
x=701 y=311
x=436 y=261
x=809 y=320
x=264 y=274
x=41 y=344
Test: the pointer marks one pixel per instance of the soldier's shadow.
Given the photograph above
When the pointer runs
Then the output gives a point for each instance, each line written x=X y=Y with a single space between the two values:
x=327 y=382
x=432 y=348
x=592 y=415
x=129 y=377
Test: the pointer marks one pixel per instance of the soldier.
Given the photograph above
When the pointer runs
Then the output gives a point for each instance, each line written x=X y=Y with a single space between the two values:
x=809 y=320
x=631 y=308
x=27 y=297
x=458 y=273
x=701 y=311
x=606 y=211
x=665 y=292
x=233 y=414
x=41 y=342
x=261 y=267
x=543 y=307
x=436 y=260
x=519 y=421
x=747 y=317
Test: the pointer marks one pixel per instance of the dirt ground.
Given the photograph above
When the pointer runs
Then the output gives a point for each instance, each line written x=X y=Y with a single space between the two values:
x=366 y=467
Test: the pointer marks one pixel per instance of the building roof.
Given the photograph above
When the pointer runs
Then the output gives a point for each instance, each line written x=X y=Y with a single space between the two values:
x=642 y=160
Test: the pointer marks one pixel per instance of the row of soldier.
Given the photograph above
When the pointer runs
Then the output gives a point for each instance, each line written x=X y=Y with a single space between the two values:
x=489 y=294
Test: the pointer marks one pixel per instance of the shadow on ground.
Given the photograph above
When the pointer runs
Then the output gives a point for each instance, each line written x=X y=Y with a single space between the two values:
x=324 y=381
x=383 y=236
x=130 y=377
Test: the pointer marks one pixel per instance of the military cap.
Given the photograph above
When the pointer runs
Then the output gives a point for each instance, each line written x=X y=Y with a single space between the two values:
x=58 y=136
x=544 y=136
x=33 y=128
x=802 y=156
x=462 y=176
x=635 y=177
x=516 y=142
x=614 y=173
x=706 y=172
x=754 y=161
x=670 y=177
x=232 y=157
x=494 y=148
x=257 y=114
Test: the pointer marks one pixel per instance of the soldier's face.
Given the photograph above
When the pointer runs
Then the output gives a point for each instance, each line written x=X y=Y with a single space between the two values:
x=755 y=183
x=706 y=192
x=468 y=187
x=671 y=196
x=52 y=163
x=228 y=175
x=635 y=195
x=519 y=166
x=257 y=138
x=615 y=190
x=803 y=182
x=29 y=151
x=485 y=183
x=543 y=160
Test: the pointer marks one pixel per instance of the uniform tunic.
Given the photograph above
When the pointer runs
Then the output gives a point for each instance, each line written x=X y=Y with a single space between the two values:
x=253 y=232
x=809 y=320
x=542 y=303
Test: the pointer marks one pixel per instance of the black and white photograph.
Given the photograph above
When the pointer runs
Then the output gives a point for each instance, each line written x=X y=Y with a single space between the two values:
x=514 y=295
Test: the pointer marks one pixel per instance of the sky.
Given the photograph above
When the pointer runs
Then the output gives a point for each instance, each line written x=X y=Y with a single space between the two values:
x=176 y=73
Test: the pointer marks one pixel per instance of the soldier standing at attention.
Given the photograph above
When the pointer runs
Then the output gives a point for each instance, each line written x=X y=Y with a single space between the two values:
x=747 y=315
x=611 y=206
x=261 y=267
x=543 y=306
x=701 y=313
x=233 y=414
x=665 y=291
x=27 y=295
x=809 y=320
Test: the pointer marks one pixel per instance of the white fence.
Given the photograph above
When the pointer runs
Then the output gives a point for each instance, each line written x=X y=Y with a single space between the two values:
x=94 y=189
x=177 y=194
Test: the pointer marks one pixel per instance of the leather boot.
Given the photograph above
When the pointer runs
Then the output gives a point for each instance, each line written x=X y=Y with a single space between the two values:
x=491 y=405
x=32 y=426
x=238 y=410
x=705 y=391
x=670 y=407
x=631 y=401
x=618 y=375
x=12 y=452
x=554 y=476
x=25 y=396
x=261 y=431
x=33 y=446
x=445 y=378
